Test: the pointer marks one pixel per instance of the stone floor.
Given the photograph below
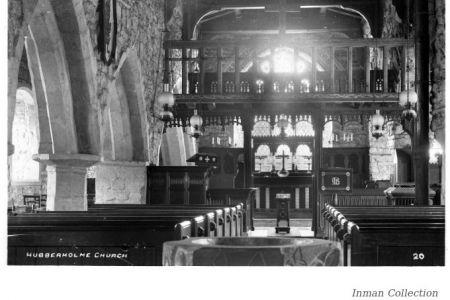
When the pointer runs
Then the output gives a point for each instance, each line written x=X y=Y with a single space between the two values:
x=266 y=227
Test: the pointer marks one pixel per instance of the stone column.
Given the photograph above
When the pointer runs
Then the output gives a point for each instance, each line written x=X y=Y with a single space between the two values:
x=118 y=182
x=66 y=180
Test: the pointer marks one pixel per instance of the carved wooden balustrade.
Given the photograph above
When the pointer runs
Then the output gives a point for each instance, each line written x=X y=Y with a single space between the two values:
x=227 y=71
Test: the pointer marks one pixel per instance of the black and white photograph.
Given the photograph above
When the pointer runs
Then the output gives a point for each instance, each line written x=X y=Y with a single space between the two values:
x=182 y=149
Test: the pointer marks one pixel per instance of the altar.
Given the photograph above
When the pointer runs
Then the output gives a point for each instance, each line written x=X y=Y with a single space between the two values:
x=298 y=184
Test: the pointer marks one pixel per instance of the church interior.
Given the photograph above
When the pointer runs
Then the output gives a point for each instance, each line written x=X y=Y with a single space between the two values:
x=221 y=133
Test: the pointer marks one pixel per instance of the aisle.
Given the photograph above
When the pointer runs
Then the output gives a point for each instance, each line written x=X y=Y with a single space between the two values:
x=266 y=227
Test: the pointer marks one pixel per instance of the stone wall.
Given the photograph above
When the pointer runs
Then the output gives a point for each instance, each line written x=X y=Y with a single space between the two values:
x=437 y=40
x=141 y=28
x=382 y=157
x=120 y=182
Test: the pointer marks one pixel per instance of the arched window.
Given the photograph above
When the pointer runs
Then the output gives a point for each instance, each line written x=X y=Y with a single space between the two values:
x=303 y=158
x=261 y=128
x=263 y=159
x=287 y=130
x=25 y=138
x=304 y=128
x=283 y=150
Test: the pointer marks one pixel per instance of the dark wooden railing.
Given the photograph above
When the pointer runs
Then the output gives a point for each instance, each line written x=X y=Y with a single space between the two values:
x=209 y=67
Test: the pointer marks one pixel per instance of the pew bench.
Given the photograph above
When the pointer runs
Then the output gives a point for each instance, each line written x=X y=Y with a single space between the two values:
x=246 y=196
x=358 y=197
x=388 y=236
x=240 y=213
x=134 y=234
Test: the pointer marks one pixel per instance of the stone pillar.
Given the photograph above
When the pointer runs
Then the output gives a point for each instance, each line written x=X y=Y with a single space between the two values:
x=118 y=182
x=66 y=180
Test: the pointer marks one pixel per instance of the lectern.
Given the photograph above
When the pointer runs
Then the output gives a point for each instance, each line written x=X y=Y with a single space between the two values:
x=283 y=212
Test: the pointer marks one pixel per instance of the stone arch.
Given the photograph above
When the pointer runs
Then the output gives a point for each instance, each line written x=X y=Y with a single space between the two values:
x=46 y=55
x=46 y=139
x=173 y=147
x=129 y=81
x=82 y=65
x=19 y=14
x=117 y=144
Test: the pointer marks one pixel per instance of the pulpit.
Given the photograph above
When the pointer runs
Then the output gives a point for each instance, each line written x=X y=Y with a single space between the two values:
x=177 y=185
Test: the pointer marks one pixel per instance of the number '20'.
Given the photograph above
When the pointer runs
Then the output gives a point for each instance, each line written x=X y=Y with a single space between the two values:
x=418 y=256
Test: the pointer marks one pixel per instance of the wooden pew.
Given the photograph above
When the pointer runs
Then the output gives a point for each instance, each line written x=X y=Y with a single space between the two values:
x=359 y=197
x=242 y=215
x=134 y=235
x=228 y=221
x=138 y=241
x=388 y=236
x=246 y=196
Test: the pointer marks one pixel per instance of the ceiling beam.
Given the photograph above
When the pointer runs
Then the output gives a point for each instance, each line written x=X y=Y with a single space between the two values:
x=288 y=31
x=307 y=98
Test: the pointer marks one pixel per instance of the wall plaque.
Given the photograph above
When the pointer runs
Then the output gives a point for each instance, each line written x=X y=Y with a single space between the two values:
x=336 y=180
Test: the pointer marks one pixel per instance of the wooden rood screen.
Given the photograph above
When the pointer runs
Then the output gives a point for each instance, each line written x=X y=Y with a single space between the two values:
x=229 y=67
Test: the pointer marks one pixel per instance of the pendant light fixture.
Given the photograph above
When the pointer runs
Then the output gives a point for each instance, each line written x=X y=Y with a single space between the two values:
x=196 y=122
x=377 y=124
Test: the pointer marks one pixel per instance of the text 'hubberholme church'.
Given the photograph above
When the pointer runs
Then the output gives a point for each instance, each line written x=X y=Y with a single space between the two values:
x=226 y=133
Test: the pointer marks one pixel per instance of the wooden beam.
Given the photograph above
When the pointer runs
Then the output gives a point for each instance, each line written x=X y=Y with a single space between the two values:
x=202 y=70
x=247 y=126
x=184 y=71
x=166 y=76
x=350 y=69
x=313 y=70
x=237 y=70
x=421 y=138
x=275 y=108
x=317 y=164
x=262 y=43
x=332 y=69
x=385 y=69
x=276 y=32
x=367 y=69
x=219 y=71
x=311 y=98
x=403 y=65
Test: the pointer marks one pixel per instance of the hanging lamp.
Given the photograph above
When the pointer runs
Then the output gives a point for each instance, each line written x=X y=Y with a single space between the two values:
x=196 y=122
x=377 y=124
